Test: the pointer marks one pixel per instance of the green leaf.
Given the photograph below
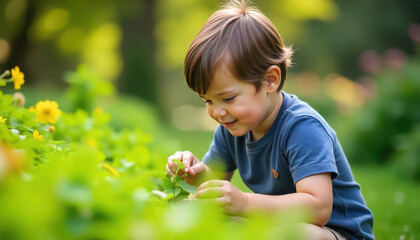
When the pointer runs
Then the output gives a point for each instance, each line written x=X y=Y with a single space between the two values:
x=181 y=165
x=72 y=193
x=2 y=83
x=169 y=196
x=187 y=187
x=177 y=178
x=182 y=196
x=58 y=142
x=167 y=183
x=177 y=191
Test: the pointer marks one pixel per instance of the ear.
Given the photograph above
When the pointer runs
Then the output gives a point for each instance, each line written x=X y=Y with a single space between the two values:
x=272 y=78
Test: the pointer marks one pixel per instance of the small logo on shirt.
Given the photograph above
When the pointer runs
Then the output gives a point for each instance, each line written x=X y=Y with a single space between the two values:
x=275 y=174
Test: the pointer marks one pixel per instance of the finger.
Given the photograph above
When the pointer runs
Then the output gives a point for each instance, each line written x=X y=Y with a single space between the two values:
x=212 y=183
x=172 y=166
x=209 y=193
x=222 y=200
x=168 y=171
x=187 y=160
x=176 y=155
x=198 y=168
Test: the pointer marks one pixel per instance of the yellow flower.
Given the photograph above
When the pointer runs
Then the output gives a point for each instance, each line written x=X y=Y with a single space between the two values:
x=110 y=169
x=91 y=142
x=17 y=77
x=31 y=109
x=47 y=111
x=98 y=111
x=2 y=120
x=38 y=136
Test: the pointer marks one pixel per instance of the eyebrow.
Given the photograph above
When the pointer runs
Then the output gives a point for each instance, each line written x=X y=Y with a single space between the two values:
x=221 y=93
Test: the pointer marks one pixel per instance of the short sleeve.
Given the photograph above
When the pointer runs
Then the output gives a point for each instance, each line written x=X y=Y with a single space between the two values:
x=309 y=149
x=219 y=156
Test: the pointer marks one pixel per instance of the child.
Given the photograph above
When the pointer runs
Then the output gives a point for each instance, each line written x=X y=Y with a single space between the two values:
x=285 y=152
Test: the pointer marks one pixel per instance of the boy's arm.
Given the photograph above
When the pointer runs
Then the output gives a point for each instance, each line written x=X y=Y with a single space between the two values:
x=313 y=192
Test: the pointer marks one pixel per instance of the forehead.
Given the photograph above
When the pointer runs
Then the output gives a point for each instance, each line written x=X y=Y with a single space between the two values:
x=224 y=82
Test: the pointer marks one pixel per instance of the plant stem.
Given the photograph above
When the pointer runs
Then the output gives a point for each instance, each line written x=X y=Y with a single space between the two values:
x=7 y=72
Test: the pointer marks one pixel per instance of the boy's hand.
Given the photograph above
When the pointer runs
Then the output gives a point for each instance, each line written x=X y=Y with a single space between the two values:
x=232 y=199
x=192 y=166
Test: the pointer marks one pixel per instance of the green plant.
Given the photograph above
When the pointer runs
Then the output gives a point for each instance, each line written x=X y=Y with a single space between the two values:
x=177 y=188
x=372 y=131
x=85 y=87
x=406 y=157
x=73 y=176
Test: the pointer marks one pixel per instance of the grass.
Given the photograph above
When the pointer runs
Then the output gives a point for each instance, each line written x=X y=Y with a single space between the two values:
x=393 y=200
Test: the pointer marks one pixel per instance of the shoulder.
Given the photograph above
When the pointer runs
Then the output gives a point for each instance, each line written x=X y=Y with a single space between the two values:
x=294 y=107
x=299 y=116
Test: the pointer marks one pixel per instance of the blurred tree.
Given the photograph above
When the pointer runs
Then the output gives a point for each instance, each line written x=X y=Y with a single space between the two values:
x=138 y=48
x=142 y=44
x=336 y=46
x=20 y=14
x=47 y=38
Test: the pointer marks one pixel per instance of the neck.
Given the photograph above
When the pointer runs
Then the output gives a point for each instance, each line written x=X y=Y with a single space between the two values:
x=267 y=122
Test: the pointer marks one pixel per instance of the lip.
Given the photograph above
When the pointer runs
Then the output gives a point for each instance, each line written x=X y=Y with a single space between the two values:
x=229 y=124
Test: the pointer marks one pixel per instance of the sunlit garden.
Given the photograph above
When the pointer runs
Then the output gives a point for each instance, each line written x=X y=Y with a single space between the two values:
x=93 y=100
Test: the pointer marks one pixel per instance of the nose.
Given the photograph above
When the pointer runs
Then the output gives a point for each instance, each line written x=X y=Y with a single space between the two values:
x=218 y=112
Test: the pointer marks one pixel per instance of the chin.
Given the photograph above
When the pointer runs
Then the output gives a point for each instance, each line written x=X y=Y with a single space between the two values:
x=237 y=133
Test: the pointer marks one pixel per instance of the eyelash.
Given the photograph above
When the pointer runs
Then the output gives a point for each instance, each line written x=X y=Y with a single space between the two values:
x=228 y=99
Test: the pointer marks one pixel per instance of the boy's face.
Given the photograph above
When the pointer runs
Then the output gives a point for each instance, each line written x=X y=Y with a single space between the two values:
x=237 y=105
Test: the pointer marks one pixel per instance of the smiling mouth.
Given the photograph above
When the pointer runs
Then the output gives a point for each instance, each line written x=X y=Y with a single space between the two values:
x=229 y=124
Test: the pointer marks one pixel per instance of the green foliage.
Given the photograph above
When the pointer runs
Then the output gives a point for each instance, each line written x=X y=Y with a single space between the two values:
x=176 y=188
x=85 y=87
x=394 y=111
x=406 y=156
x=81 y=179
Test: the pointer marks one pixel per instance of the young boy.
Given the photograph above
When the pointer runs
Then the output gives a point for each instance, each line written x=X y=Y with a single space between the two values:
x=285 y=152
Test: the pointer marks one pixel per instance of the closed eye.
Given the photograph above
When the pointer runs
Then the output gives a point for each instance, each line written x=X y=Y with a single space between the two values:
x=228 y=99
x=207 y=101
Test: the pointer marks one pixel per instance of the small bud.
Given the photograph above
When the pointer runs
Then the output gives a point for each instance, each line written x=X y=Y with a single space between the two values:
x=19 y=99
x=51 y=128
x=14 y=131
x=7 y=73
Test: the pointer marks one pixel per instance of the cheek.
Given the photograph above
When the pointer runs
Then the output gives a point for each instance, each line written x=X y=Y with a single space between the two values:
x=253 y=111
x=248 y=114
x=210 y=112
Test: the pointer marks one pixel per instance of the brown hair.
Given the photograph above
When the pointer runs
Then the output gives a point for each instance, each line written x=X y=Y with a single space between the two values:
x=241 y=37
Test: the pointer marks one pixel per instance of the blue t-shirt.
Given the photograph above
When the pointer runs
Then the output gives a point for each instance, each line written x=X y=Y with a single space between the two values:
x=299 y=144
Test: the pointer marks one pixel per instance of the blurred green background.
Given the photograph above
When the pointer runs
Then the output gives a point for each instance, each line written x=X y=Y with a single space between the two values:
x=139 y=45
x=356 y=62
